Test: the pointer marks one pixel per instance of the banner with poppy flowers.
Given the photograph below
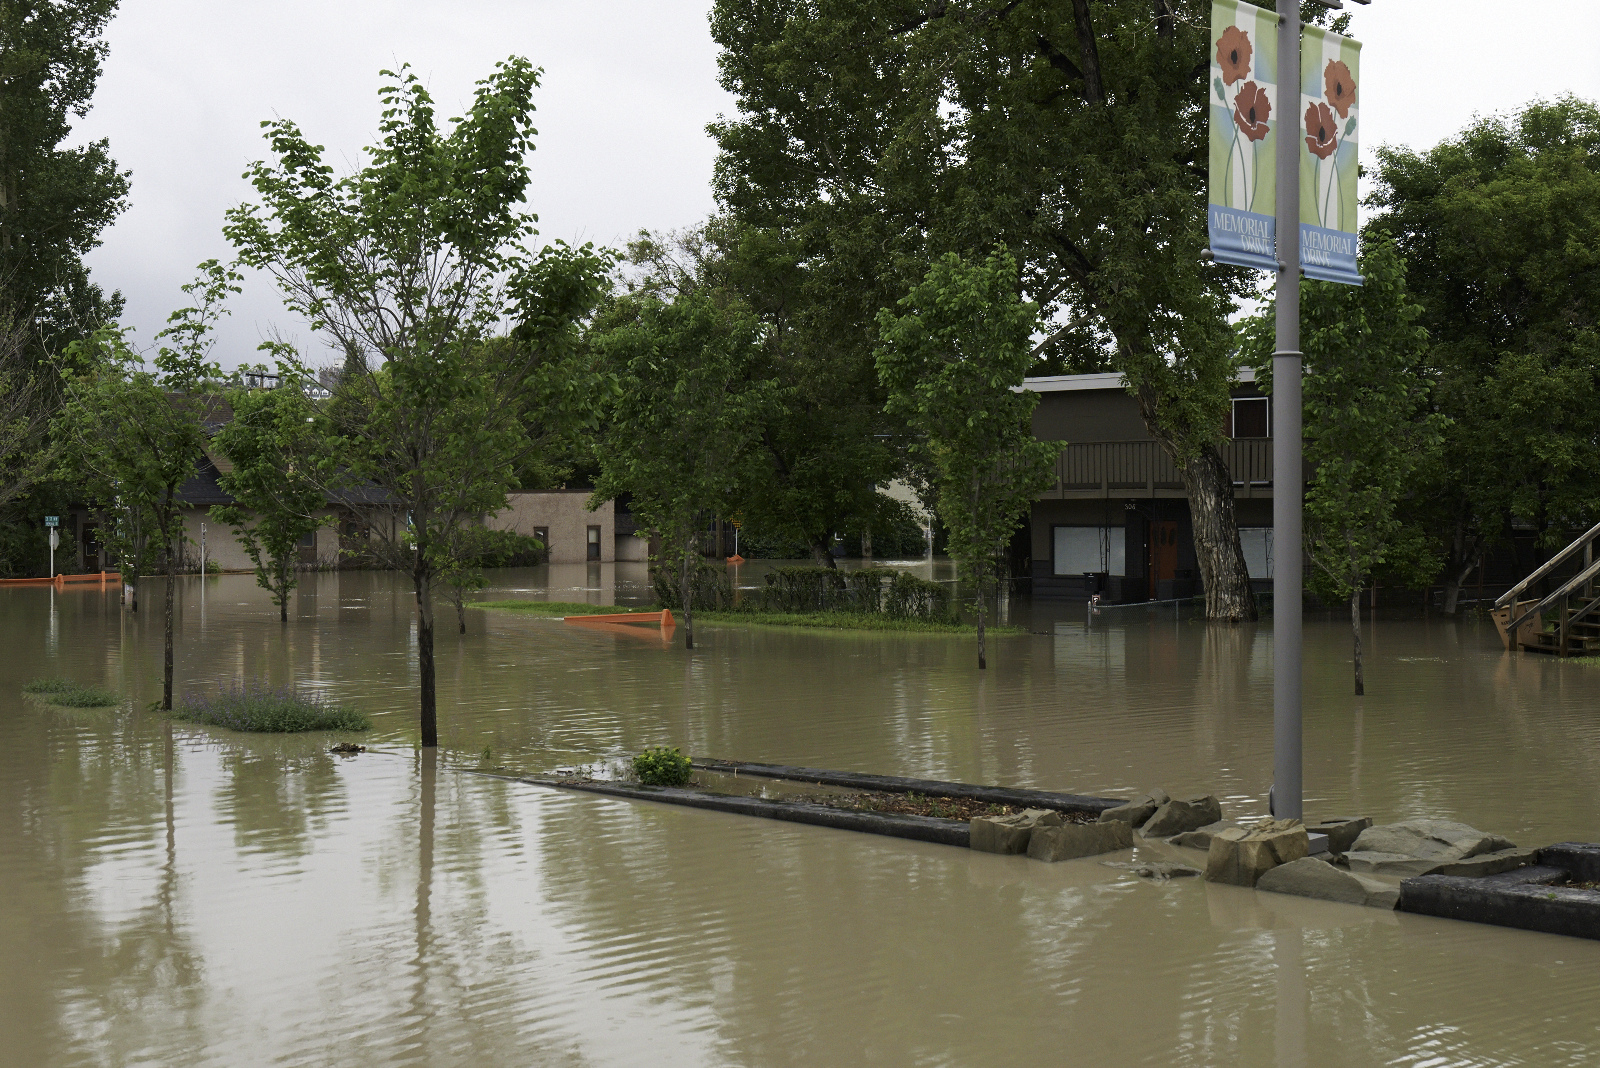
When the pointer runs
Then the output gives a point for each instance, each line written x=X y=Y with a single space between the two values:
x=1330 y=68
x=1243 y=91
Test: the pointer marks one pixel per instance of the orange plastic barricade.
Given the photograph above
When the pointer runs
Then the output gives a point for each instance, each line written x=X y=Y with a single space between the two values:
x=663 y=618
x=60 y=581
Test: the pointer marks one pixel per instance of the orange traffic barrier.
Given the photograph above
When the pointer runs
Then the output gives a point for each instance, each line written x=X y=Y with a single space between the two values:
x=735 y=559
x=663 y=617
x=59 y=581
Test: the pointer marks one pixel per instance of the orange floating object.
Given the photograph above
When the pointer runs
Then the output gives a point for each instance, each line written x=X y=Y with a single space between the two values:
x=663 y=618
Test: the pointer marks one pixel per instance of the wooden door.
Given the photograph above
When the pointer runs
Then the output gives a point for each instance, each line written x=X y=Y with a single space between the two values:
x=1163 y=552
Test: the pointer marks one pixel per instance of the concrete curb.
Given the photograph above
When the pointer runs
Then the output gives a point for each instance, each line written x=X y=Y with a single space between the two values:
x=895 y=784
x=895 y=825
x=1528 y=898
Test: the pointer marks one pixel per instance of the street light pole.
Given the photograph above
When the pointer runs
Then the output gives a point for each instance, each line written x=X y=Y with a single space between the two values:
x=1287 y=491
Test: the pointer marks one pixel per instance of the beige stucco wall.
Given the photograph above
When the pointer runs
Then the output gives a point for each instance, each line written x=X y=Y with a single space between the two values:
x=564 y=514
x=228 y=552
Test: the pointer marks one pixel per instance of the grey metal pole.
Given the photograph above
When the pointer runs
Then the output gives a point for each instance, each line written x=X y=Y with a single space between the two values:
x=1287 y=495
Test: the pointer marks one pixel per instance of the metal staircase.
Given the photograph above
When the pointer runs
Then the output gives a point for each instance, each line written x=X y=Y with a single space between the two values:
x=1573 y=627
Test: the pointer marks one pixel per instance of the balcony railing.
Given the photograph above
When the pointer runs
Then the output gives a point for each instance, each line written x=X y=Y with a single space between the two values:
x=1143 y=469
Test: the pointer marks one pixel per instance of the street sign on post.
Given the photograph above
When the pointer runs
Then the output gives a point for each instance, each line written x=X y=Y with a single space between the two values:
x=52 y=524
x=1261 y=160
x=52 y=521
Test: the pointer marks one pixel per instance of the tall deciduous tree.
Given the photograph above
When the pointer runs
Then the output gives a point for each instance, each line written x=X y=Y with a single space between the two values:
x=953 y=365
x=875 y=136
x=686 y=417
x=1500 y=226
x=1368 y=430
x=54 y=201
x=133 y=437
x=459 y=342
x=276 y=451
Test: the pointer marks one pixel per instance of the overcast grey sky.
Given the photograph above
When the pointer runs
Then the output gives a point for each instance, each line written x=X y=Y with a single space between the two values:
x=628 y=89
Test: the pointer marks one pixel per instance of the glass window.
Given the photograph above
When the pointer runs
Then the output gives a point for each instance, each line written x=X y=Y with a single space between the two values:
x=1250 y=418
x=1080 y=549
x=1257 y=545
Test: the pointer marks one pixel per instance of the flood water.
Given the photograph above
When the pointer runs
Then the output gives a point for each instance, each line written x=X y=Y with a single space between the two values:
x=175 y=895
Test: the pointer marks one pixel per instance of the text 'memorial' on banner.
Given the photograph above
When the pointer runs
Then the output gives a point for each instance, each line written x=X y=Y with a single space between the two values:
x=1330 y=68
x=1244 y=133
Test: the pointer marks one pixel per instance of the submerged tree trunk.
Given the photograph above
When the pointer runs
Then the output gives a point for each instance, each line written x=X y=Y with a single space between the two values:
x=822 y=552
x=1209 y=486
x=983 y=659
x=166 y=664
x=461 y=608
x=283 y=590
x=686 y=578
x=425 y=671
x=1355 y=634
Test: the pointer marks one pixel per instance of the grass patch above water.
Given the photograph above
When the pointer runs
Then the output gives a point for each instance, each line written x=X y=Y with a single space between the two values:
x=814 y=620
x=69 y=694
x=255 y=706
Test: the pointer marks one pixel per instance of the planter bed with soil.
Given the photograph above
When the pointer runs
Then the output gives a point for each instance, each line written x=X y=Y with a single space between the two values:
x=1560 y=894
x=923 y=810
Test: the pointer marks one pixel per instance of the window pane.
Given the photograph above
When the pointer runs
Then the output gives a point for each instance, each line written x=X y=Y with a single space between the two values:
x=1257 y=545
x=1080 y=549
x=1250 y=417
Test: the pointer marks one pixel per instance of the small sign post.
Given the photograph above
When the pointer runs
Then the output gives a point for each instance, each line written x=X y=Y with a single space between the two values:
x=53 y=524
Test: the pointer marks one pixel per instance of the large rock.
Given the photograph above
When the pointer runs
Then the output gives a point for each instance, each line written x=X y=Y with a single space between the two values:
x=1009 y=834
x=1242 y=856
x=1373 y=862
x=1068 y=841
x=1137 y=811
x=1435 y=840
x=1177 y=816
x=1310 y=877
x=1342 y=831
x=1201 y=838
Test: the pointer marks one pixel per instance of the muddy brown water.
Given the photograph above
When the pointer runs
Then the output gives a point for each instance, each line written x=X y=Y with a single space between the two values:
x=174 y=895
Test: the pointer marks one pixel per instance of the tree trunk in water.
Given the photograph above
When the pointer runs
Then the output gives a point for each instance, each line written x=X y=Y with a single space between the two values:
x=166 y=665
x=983 y=659
x=1355 y=634
x=283 y=592
x=821 y=552
x=1216 y=538
x=686 y=589
x=428 y=699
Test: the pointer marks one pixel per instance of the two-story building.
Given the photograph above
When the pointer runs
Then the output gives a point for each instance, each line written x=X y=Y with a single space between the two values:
x=1117 y=521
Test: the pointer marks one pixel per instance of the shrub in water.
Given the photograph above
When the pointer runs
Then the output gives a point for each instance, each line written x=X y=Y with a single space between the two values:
x=252 y=705
x=70 y=694
x=660 y=766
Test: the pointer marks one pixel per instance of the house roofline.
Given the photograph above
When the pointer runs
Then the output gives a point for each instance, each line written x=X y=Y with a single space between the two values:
x=1105 y=380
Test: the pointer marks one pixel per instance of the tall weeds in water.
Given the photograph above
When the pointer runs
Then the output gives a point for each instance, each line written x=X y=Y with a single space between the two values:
x=65 y=692
x=253 y=705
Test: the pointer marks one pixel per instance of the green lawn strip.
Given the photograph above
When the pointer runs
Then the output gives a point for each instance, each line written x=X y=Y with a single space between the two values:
x=812 y=620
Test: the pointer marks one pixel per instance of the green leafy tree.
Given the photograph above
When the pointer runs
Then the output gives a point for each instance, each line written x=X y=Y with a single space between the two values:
x=277 y=454
x=1369 y=432
x=459 y=343
x=133 y=437
x=953 y=364
x=1499 y=226
x=872 y=137
x=685 y=418
x=54 y=201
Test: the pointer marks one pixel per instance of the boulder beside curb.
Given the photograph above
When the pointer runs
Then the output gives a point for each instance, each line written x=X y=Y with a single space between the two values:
x=1342 y=831
x=1495 y=863
x=1201 y=838
x=1242 y=856
x=1311 y=877
x=1179 y=815
x=1137 y=811
x=1435 y=840
x=1068 y=841
x=1009 y=834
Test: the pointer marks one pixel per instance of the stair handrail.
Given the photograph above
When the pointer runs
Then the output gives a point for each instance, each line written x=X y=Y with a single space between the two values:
x=1577 y=580
x=1545 y=568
